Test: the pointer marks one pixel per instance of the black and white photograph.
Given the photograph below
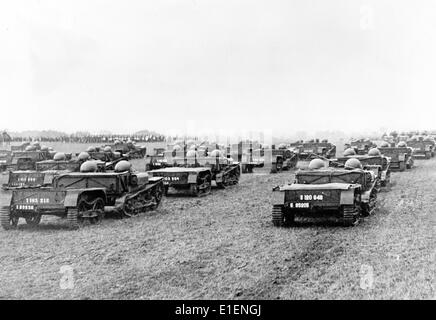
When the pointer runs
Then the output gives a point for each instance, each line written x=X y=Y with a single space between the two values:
x=213 y=150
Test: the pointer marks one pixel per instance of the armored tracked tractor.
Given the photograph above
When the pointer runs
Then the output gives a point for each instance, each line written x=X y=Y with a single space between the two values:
x=360 y=146
x=26 y=160
x=85 y=197
x=422 y=148
x=129 y=149
x=313 y=149
x=46 y=170
x=346 y=194
x=374 y=161
x=161 y=158
x=281 y=158
x=401 y=156
x=193 y=174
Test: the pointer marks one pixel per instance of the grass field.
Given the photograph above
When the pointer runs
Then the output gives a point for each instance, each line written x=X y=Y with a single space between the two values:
x=224 y=246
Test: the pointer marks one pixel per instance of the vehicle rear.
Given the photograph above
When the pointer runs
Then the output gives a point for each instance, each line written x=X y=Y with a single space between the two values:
x=379 y=165
x=27 y=179
x=421 y=149
x=31 y=201
x=400 y=157
x=321 y=200
x=84 y=197
x=185 y=180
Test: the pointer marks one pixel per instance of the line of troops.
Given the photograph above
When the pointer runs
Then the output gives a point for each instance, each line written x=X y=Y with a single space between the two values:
x=85 y=187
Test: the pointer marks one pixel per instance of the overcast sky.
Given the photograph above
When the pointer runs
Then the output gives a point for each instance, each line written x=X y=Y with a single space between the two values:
x=217 y=65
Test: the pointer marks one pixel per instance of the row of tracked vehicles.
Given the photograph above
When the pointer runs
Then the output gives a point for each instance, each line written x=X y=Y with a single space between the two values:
x=195 y=169
x=99 y=182
x=345 y=188
x=82 y=189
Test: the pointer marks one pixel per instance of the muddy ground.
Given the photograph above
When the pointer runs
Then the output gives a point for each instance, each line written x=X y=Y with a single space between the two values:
x=224 y=246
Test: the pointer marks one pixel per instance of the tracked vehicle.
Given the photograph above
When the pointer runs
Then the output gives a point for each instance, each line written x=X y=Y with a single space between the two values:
x=129 y=149
x=281 y=158
x=26 y=160
x=46 y=170
x=401 y=156
x=161 y=158
x=193 y=174
x=374 y=161
x=346 y=194
x=313 y=149
x=360 y=146
x=85 y=196
x=422 y=148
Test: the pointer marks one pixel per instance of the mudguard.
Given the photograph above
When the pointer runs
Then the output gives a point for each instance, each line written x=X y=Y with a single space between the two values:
x=71 y=198
x=73 y=195
x=7 y=196
x=192 y=178
x=347 y=197
x=278 y=197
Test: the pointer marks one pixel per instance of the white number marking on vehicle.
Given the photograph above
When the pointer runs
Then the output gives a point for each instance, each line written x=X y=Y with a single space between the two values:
x=36 y=200
x=309 y=197
x=300 y=205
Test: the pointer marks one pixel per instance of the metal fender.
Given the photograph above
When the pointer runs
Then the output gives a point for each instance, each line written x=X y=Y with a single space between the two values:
x=7 y=196
x=48 y=178
x=278 y=197
x=347 y=197
x=192 y=178
x=71 y=198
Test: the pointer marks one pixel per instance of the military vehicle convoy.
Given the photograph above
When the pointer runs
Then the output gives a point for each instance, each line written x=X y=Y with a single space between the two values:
x=374 y=161
x=347 y=194
x=85 y=196
x=193 y=174
x=401 y=156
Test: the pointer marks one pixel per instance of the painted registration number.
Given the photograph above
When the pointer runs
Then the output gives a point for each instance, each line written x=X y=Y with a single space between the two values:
x=24 y=207
x=26 y=179
x=299 y=205
x=37 y=200
x=171 y=178
x=310 y=197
